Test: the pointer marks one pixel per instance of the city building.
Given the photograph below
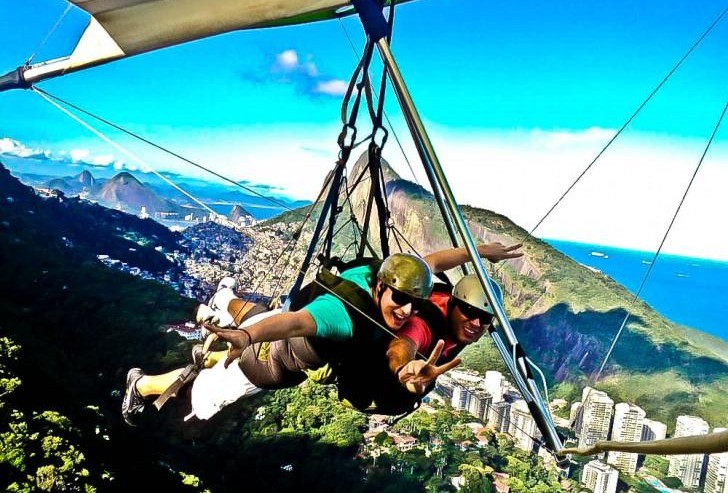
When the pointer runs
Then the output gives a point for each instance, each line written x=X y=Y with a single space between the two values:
x=715 y=477
x=468 y=378
x=460 y=397
x=599 y=477
x=500 y=416
x=494 y=383
x=479 y=404
x=444 y=387
x=596 y=417
x=522 y=426
x=653 y=430
x=688 y=468
x=403 y=442
x=188 y=330
x=627 y=427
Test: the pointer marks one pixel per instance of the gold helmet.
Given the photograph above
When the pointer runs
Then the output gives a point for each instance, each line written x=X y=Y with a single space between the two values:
x=469 y=290
x=407 y=273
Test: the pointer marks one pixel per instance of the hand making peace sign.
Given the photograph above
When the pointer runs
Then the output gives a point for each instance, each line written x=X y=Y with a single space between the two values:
x=418 y=374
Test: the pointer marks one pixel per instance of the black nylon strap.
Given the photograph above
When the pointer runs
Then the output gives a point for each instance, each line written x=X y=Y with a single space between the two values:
x=188 y=374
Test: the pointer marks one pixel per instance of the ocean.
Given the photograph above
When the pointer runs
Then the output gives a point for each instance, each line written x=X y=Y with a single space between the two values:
x=686 y=290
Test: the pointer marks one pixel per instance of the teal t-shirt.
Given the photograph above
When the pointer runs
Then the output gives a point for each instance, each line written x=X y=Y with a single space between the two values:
x=329 y=312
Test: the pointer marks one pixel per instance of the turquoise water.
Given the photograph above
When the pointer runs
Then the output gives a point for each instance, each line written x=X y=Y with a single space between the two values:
x=689 y=291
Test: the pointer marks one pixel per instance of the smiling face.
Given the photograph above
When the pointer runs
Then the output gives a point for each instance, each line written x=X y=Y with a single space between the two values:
x=464 y=330
x=393 y=313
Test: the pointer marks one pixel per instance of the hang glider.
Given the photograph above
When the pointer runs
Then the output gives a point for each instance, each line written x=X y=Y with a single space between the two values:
x=122 y=28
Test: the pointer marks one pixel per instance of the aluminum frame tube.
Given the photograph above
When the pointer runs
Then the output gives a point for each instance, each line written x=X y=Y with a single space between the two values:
x=526 y=384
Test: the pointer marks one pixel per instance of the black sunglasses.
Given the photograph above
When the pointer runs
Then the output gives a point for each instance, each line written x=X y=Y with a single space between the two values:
x=473 y=313
x=402 y=299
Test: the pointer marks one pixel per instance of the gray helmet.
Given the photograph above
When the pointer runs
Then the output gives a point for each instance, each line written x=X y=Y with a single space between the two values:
x=407 y=273
x=469 y=290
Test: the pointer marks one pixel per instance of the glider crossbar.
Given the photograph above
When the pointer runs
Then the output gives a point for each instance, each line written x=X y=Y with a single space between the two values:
x=712 y=443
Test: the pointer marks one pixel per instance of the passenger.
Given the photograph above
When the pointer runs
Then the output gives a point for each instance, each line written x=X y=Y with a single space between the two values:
x=461 y=318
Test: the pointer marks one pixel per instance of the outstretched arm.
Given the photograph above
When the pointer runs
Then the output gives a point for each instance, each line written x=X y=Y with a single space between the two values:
x=453 y=257
x=273 y=328
x=713 y=443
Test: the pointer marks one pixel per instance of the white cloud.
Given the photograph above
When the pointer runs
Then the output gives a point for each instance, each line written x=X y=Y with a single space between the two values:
x=78 y=155
x=287 y=60
x=288 y=68
x=332 y=87
x=560 y=139
x=626 y=199
x=102 y=160
x=12 y=147
x=310 y=69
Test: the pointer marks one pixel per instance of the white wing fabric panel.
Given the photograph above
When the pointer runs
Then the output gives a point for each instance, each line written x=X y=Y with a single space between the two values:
x=137 y=26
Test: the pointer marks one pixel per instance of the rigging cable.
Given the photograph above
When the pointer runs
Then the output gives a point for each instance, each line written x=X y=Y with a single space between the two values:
x=124 y=151
x=629 y=120
x=664 y=238
x=164 y=149
x=48 y=35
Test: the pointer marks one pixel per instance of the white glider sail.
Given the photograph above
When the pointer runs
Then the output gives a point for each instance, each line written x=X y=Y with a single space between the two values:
x=122 y=28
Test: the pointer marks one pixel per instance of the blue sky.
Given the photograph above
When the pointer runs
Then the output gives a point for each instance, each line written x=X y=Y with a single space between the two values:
x=517 y=96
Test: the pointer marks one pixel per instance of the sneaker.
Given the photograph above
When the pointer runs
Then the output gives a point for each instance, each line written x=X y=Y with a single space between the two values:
x=133 y=403
x=224 y=292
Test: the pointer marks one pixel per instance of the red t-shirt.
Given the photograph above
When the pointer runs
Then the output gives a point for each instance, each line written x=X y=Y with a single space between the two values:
x=417 y=330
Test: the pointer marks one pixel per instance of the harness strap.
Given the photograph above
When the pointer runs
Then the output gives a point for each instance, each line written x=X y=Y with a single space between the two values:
x=245 y=311
x=188 y=374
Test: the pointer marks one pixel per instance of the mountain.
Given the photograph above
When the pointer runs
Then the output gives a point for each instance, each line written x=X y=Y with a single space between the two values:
x=72 y=327
x=566 y=315
x=219 y=196
x=125 y=192
x=84 y=182
x=87 y=180
x=239 y=215
x=61 y=184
